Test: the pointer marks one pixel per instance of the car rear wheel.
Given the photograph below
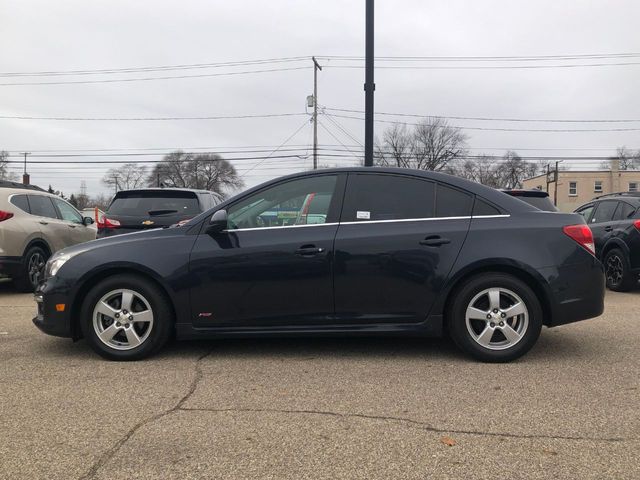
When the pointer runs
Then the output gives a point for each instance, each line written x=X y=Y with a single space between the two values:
x=617 y=271
x=126 y=317
x=32 y=267
x=495 y=317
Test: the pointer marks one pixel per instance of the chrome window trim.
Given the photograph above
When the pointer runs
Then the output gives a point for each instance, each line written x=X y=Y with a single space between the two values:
x=363 y=222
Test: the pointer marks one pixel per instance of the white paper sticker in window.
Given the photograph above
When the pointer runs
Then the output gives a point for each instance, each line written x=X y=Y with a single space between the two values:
x=361 y=215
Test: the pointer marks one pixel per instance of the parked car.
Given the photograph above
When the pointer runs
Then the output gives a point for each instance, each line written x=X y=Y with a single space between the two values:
x=538 y=198
x=33 y=225
x=146 y=208
x=93 y=212
x=393 y=251
x=615 y=222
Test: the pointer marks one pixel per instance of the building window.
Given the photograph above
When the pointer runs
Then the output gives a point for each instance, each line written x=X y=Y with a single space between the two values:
x=597 y=186
x=573 y=189
x=633 y=186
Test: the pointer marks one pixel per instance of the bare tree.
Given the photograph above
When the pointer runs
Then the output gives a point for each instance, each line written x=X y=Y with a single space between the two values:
x=482 y=169
x=629 y=159
x=514 y=170
x=5 y=174
x=128 y=176
x=205 y=172
x=431 y=145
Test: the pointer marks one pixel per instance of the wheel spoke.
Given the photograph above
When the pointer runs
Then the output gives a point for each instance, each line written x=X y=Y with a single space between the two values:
x=510 y=333
x=517 y=309
x=132 y=337
x=146 y=316
x=476 y=313
x=106 y=309
x=109 y=332
x=127 y=301
x=494 y=298
x=485 y=337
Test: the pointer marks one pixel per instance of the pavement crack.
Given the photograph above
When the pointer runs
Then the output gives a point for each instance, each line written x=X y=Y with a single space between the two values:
x=411 y=422
x=111 y=452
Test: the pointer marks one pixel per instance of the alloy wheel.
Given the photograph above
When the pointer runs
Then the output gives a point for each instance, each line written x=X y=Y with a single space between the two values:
x=123 y=319
x=614 y=270
x=497 y=318
x=35 y=266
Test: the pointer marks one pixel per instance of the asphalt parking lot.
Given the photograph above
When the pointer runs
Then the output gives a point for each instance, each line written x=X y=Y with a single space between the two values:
x=322 y=408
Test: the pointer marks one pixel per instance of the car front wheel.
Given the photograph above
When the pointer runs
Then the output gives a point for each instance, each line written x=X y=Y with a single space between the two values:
x=126 y=317
x=32 y=266
x=495 y=317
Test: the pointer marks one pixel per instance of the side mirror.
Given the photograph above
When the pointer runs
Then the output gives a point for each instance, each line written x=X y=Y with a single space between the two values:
x=86 y=221
x=218 y=222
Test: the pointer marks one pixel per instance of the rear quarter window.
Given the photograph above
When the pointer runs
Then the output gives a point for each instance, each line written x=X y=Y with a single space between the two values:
x=451 y=202
x=21 y=202
x=482 y=208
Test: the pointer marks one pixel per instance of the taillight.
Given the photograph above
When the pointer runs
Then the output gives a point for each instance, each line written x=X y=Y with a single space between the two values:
x=108 y=223
x=582 y=235
x=5 y=215
x=636 y=224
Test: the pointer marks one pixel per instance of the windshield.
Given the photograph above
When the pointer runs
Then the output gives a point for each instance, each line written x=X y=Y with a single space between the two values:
x=154 y=203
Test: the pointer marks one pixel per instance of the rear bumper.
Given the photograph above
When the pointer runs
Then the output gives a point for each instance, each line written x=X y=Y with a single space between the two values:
x=10 y=266
x=49 y=319
x=577 y=292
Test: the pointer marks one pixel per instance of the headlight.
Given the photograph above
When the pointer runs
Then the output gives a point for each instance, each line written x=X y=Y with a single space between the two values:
x=56 y=262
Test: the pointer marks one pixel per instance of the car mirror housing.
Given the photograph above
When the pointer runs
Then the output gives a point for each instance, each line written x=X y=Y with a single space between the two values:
x=218 y=222
x=86 y=221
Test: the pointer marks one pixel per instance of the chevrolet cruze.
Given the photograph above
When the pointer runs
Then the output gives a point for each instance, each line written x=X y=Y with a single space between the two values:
x=333 y=252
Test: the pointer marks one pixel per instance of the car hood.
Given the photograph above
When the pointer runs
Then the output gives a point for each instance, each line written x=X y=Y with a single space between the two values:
x=125 y=238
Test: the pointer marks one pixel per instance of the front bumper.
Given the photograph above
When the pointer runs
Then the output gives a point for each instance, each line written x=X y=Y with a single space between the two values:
x=49 y=319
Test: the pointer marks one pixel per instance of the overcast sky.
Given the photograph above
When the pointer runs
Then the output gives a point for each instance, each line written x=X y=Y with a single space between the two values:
x=38 y=36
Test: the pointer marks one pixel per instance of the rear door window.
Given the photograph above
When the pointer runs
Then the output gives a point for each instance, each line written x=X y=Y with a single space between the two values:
x=586 y=212
x=42 y=206
x=604 y=212
x=372 y=197
x=624 y=211
x=146 y=203
x=21 y=202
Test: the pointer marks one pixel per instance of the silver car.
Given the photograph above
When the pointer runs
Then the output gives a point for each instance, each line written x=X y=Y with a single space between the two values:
x=35 y=224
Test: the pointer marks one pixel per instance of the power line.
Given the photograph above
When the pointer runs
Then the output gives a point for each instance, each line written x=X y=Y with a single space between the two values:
x=144 y=79
x=483 y=67
x=498 y=129
x=490 y=58
x=488 y=119
x=155 y=119
x=155 y=68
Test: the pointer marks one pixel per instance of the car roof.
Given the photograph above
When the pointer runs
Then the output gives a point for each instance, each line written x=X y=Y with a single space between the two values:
x=627 y=196
x=164 y=189
x=519 y=192
x=507 y=202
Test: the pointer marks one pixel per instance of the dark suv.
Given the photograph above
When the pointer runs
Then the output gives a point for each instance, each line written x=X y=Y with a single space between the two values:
x=145 y=208
x=615 y=222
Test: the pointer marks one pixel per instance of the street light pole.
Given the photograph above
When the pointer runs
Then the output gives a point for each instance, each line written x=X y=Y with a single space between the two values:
x=369 y=86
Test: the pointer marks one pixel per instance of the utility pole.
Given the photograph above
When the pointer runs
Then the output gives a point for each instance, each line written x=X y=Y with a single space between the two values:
x=555 y=186
x=25 y=175
x=115 y=182
x=547 y=178
x=316 y=67
x=369 y=87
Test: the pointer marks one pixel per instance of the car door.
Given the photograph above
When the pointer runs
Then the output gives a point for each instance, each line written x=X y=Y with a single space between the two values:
x=53 y=229
x=273 y=264
x=77 y=231
x=602 y=223
x=397 y=241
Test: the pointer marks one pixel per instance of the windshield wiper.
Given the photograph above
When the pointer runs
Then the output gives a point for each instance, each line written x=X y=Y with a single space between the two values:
x=161 y=212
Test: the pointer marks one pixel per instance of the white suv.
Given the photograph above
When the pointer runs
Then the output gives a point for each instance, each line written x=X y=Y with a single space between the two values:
x=33 y=225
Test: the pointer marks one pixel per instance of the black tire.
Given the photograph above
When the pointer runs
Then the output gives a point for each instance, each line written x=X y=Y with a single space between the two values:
x=617 y=271
x=25 y=282
x=160 y=329
x=528 y=324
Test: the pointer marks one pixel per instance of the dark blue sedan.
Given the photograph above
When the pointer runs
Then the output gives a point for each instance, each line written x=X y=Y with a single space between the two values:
x=334 y=252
